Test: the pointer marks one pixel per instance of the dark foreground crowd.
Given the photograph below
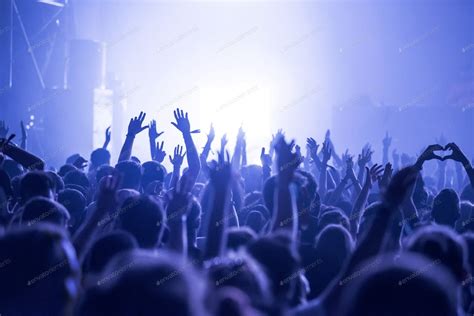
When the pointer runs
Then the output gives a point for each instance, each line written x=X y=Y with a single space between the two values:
x=300 y=234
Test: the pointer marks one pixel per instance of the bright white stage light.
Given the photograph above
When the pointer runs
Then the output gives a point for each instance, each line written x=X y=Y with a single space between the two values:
x=229 y=107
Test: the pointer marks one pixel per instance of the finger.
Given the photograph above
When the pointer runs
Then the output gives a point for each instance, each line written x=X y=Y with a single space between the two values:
x=175 y=125
x=162 y=144
x=159 y=134
x=186 y=115
x=182 y=114
x=176 y=114
x=171 y=160
x=143 y=127
x=262 y=153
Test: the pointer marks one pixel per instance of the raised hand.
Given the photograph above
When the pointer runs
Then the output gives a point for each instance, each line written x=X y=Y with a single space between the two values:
x=211 y=135
x=384 y=180
x=429 y=154
x=160 y=154
x=223 y=142
x=3 y=129
x=456 y=154
x=108 y=136
x=312 y=146
x=179 y=202
x=373 y=174
x=152 y=132
x=136 y=125
x=365 y=157
x=287 y=162
x=326 y=152
x=266 y=159
x=107 y=191
x=399 y=186
x=178 y=157
x=182 y=121
x=387 y=141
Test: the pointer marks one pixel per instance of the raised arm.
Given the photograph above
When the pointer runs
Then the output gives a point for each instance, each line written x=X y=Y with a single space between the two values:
x=371 y=175
x=237 y=156
x=152 y=137
x=220 y=184
x=176 y=161
x=363 y=160
x=459 y=156
x=285 y=215
x=184 y=126
x=23 y=157
x=134 y=127
x=108 y=136
x=24 y=136
x=386 y=142
x=326 y=155
x=106 y=203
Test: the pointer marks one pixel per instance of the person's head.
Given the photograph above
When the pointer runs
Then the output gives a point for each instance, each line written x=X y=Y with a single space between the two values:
x=443 y=246
x=274 y=249
x=39 y=272
x=103 y=171
x=144 y=218
x=130 y=173
x=445 y=209
x=65 y=169
x=99 y=157
x=334 y=216
x=105 y=248
x=256 y=218
x=148 y=284
x=77 y=177
x=387 y=287
x=41 y=210
x=57 y=180
x=247 y=276
x=75 y=202
x=334 y=241
x=36 y=183
x=238 y=237
x=152 y=171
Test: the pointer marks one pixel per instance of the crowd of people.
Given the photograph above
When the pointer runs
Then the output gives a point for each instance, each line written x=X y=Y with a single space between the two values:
x=313 y=233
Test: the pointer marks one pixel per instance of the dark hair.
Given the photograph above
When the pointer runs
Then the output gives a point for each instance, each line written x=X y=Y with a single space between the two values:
x=77 y=177
x=131 y=174
x=389 y=288
x=152 y=171
x=28 y=286
x=35 y=183
x=147 y=284
x=105 y=248
x=41 y=209
x=143 y=217
x=446 y=207
x=99 y=157
x=75 y=202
